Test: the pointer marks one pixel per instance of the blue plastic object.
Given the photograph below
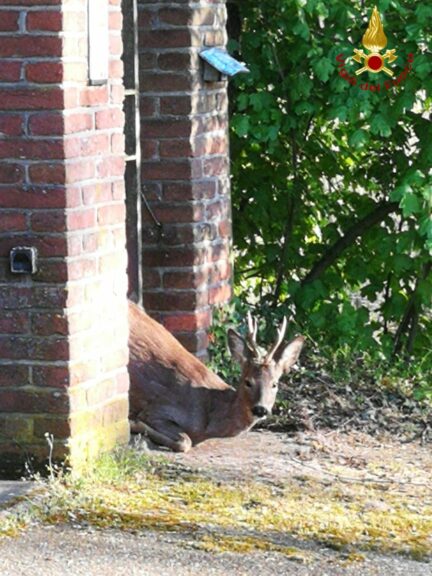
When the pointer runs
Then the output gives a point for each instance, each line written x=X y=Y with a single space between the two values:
x=223 y=62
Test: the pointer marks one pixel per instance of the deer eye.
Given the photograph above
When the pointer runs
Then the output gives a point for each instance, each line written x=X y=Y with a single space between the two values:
x=248 y=384
x=275 y=385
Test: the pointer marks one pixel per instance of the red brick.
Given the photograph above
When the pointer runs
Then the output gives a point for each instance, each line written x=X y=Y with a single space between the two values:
x=218 y=210
x=117 y=93
x=58 y=427
x=93 y=96
x=80 y=219
x=166 y=128
x=23 y=46
x=152 y=279
x=21 y=348
x=194 y=342
x=180 y=170
x=96 y=193
x=210 y=144
x=116 y=69
x=94 y=144
x=109 y=118
x=176 y=16
x=220 y=294
x=165 y=39
x=32 y=149
x=215 y=166
x=78 y=122
x=50 y=297
x=48 y=246
x=115 y=45
x=14 y=375
x=174 y=61
x=38 y=197
x=14 y=323
x=218 y=252
x=90 y=242
x=47 y=123
x=178 y=191
x=225 y=229
x=118 y=144
x=111 y=166
x=51 y=272
x=178 y=148
x=51 y=376
x=9 y=21
x=45 y=72
x=111 y=214
x=47 y=324
x=47 y=20
x=175 y=105
x=177 y=301
x=150 y=150
x=148 y=106
x=115 y=20
x=164 y=82
x=220 y=272
x=11 y=173
x=174 y=257
x=181 y=213
x=12 y=221
x=83 y=268
x=188 y=322
x=33 y=402
x=10 y=71
x=185 y=279
x=11 y=124
x=79 y=171
x=26 y=3
x=47 y=173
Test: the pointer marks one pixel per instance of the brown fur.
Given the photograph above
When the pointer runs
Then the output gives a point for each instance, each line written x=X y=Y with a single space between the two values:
x=176 y=399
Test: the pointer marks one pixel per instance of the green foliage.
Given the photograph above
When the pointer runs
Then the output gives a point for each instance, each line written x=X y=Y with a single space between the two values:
x=332 y=184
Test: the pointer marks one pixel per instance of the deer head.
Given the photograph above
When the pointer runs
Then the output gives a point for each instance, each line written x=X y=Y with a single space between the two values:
x=262 y=369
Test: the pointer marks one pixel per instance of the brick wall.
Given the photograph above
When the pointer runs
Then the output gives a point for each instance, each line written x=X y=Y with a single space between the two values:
x=63 y=331
x=185 y=171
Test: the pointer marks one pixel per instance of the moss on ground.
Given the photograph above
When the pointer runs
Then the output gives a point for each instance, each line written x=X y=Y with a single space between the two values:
x=132 y=491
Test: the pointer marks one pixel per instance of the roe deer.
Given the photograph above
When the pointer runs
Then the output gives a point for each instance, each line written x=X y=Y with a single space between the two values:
x=179 y=402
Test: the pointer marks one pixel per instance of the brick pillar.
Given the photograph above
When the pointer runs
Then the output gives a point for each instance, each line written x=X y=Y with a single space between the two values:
x=185 y=168
x=63 y=331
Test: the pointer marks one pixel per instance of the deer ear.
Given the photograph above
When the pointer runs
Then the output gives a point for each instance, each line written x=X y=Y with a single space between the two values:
x=289 y=355
x=237 y=346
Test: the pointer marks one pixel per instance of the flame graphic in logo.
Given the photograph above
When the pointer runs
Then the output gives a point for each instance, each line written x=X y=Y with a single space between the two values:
x=374 y=40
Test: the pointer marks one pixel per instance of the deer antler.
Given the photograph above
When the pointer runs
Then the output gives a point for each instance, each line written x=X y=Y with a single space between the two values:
x=280 y=337
x=252 y=335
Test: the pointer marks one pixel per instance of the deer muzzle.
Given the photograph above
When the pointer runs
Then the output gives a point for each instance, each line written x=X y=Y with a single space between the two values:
x=260 y=411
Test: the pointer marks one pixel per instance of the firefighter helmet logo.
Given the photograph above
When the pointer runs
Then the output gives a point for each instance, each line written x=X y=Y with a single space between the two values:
x=374 y=40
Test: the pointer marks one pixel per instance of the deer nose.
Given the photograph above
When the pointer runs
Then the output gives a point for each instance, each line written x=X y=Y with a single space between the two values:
x=259 y=411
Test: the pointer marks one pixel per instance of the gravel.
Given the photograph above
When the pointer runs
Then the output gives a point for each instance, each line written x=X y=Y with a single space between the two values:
x=60 y=550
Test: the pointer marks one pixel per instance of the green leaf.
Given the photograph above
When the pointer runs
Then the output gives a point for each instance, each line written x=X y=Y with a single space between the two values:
x=358 y=139
x=410 y=204
x=380 y=125
x=241 y=125
x=323 y=68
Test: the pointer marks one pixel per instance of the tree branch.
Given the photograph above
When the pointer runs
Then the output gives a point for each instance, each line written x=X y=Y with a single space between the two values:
x=358 y=229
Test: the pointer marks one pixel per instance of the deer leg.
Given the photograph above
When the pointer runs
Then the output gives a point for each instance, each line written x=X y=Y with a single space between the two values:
x=172 y=437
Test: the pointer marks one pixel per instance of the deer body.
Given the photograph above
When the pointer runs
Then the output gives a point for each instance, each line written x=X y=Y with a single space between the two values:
x=175 y=398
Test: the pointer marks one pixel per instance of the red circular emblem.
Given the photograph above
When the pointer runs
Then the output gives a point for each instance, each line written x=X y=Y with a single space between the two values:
x=375 y=62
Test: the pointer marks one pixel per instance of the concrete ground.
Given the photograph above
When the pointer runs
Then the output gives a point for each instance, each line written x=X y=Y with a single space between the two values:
x=80 y=550
x=10 y=491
